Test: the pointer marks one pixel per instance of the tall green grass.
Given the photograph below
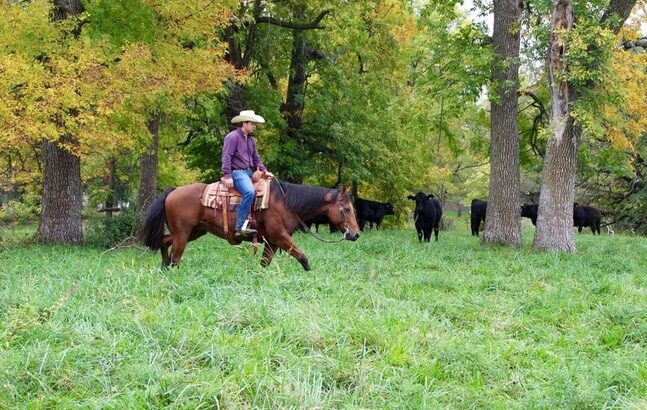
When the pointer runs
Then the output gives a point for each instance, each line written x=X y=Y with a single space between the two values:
x=385 y=322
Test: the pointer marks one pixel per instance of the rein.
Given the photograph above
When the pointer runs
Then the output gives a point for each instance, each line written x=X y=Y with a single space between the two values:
x=308 y=230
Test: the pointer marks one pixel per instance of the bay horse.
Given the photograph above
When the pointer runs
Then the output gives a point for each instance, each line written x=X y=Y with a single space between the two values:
x=181 y=210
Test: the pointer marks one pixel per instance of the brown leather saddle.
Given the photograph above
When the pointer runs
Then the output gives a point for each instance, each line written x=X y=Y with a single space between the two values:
x=222 y=198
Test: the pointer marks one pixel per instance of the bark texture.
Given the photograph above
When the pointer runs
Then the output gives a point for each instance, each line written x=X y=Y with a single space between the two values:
x=62 y=200
x=148 y=173
x=502 y=224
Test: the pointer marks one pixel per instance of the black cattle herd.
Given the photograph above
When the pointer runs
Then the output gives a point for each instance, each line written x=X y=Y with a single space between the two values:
x=428 y=212
x=583 y=216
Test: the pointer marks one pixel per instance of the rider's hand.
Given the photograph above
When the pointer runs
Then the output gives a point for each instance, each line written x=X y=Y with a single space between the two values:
x=268 y=175
x=229 y=182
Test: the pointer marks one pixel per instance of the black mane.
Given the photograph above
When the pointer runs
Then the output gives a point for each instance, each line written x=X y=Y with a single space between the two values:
x=300 y=198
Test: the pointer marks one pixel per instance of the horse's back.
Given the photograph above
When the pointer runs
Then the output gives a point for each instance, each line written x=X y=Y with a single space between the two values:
x=185 y=202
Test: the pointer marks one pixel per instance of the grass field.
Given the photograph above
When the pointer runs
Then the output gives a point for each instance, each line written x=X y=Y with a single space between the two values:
x=384 y=322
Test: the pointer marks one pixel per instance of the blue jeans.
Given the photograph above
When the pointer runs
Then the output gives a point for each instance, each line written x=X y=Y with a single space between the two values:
x=243 y=183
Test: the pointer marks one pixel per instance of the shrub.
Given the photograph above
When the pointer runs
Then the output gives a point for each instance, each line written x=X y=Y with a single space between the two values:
x=23 y=211
x=108 y=232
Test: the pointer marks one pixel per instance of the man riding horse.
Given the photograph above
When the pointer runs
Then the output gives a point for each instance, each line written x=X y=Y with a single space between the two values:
x=239 y=161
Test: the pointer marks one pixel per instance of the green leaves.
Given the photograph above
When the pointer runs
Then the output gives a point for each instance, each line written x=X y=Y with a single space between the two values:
x=122 y=22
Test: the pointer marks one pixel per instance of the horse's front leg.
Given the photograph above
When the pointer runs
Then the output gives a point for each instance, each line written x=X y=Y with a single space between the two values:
x=285 y=242
x=269 y=251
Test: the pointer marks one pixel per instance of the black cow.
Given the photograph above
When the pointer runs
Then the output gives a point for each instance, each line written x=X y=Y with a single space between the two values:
x=426 y=215
x=584 y=215
x=372 y=212
x=477 y=215
x=530 y=211
x=319 y=220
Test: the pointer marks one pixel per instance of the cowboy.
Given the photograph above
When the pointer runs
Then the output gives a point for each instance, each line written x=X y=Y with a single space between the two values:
x=239 y=160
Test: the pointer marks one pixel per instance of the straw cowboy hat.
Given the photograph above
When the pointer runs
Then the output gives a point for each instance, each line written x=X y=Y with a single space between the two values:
x=248 y=115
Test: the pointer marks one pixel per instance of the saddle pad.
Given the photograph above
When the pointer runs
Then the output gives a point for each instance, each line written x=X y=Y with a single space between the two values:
x=215 y=193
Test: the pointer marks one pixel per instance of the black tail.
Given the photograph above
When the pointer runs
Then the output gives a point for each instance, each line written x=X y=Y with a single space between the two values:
x=152 y=232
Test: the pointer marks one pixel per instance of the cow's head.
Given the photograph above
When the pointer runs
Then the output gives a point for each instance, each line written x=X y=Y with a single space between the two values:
x=388 y=209
x=421 y=200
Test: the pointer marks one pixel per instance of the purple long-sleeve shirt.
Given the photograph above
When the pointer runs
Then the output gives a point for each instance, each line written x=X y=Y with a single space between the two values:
x=239 y=152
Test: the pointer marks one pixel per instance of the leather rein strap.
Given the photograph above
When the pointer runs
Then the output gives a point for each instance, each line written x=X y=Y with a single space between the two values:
x=225 y=221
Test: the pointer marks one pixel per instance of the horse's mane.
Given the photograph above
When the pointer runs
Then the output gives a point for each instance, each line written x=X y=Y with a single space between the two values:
x=300 y=198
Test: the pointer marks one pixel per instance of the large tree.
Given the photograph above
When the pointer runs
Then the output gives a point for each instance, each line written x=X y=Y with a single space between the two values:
x=567 y=84
x=62 y=200
x=502 y=224
x=85 y=81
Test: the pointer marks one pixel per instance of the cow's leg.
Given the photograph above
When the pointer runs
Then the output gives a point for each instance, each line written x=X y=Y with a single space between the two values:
x=579 y=229
x=419 y=232
x=269 y=251
x=436 y=232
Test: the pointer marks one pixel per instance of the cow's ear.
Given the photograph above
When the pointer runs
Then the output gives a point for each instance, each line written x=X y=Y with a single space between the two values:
x=413 y=198
x=430 y=196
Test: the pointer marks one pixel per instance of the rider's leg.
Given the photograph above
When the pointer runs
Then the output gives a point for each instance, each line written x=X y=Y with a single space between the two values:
x=243 y=183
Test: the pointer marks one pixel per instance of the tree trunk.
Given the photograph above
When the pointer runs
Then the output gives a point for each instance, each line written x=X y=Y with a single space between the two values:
x=555 y=214
x=240 y=55
x=148 y=174
x=502 y=223
x=236 y=102
x=292 y=109
x=112 y=187
x=61 y=203
x=62 y=199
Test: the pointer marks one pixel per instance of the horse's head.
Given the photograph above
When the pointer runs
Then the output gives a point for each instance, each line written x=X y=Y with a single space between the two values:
x=342 y=215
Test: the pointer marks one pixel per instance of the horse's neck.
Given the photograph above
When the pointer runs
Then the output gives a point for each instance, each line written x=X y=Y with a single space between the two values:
x=311 y=213
x=327 y=200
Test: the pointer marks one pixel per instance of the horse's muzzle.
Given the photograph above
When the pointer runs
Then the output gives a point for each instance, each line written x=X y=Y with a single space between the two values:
x=351 y=236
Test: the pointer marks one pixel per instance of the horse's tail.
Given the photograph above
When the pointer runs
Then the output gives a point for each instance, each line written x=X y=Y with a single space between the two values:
x=152 y=232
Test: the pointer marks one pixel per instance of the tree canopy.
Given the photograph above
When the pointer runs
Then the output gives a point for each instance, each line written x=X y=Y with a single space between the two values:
x=388 y=95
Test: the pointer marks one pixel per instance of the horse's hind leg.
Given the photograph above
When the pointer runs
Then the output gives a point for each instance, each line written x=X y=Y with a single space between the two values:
x=269 y=251
x=179 y=243
x=166 y=243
